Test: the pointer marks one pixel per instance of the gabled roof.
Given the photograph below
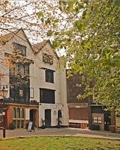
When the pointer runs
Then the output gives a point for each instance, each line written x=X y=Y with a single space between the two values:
x=39 y=46
x=5 y=38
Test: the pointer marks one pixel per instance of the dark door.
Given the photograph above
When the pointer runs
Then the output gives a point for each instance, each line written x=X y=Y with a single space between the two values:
x=33 y=118
x=107 y=120
x=48 y=118
x=32 y=115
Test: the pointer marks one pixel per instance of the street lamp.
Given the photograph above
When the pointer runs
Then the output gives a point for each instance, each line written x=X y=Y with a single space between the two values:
x=4 y=108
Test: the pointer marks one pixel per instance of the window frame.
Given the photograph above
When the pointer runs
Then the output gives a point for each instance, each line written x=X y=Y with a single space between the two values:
x=97 y=119
x=49 y=75
x=19 y=48
x=47 y=96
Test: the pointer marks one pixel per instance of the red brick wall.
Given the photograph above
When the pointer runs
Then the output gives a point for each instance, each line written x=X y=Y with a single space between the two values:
x=73 y=90
x=78 y=113
x=8 y=116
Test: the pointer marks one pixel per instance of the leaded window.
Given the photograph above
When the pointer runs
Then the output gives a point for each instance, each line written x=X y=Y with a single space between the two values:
x=21 y=49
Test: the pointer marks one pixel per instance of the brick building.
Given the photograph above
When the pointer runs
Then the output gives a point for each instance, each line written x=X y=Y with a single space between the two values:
x=84 y=113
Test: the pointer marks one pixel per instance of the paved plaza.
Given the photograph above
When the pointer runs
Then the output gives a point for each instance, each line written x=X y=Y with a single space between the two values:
x=60 y=132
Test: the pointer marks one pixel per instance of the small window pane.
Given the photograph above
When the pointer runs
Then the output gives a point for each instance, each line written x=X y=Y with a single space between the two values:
x=14 y=121
x=22 y=113
x=22 y=124
x=18 y=123
x=18 y=113
x=14 y=113
x=49 y=74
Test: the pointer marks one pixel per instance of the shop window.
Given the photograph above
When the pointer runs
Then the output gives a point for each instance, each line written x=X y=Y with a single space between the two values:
x=97 y=120
x=22 y=124
x=22 y=113
x=14 y=113
x=14 y=121
x=18 y=113
x=18 y=123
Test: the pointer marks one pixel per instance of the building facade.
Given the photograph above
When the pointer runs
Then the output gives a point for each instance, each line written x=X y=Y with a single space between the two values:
x=34 y=82
x=84 y=113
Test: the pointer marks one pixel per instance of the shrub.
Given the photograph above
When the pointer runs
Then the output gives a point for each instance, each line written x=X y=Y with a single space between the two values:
x=12 y=126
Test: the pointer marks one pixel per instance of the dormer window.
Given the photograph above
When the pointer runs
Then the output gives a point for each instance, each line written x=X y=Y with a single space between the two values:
x=21 y=49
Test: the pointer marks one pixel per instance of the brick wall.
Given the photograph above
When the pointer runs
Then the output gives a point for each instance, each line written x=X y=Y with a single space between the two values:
x=78 y=113
x=73 y=90
x=9 y=117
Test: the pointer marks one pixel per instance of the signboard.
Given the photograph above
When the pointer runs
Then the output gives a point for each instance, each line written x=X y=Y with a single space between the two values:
x=30 y=126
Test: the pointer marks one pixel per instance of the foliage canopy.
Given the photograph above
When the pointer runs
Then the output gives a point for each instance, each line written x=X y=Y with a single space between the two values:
x=92 y=47
x=88 y=30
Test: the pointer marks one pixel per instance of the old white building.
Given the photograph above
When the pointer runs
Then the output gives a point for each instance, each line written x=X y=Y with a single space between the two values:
x=35 y=84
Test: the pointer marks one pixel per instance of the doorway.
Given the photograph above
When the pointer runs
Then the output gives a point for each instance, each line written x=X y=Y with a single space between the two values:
x=33 y=115
x=107 y=121
x=48 y=118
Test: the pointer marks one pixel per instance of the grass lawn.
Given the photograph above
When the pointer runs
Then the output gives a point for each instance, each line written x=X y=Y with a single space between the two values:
x=59 y=143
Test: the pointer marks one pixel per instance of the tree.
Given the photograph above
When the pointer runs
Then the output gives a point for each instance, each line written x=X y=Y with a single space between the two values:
x=87 y=30
x=37 y=18
x=92 y=47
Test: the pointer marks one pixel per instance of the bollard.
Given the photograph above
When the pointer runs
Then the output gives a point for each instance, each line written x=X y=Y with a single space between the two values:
x=4 y=133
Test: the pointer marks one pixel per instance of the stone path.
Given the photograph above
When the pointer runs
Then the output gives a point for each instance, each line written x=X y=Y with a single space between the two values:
x=60 y=132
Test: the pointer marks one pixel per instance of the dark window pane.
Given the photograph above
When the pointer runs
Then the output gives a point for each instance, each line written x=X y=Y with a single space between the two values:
x=22 y=113
x=47 y=96
x=18 y=113
x=26 y=69
x=12 y=92
x=49 y=74
x=22 y=124
x=18 y=123
x=19 y=89
x=14 y=113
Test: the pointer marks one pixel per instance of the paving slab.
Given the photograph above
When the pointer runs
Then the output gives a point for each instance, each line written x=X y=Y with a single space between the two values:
x=60 y=132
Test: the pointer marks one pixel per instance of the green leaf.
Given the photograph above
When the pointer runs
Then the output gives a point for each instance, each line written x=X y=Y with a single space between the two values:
x=40 y=14
x=49 y=33
x=79 y=25
x=47 y=21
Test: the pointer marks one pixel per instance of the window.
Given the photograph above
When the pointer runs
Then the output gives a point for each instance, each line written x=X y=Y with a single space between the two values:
x=31 y=92
x=97 y=120
x=22 y=113
x=19 y=48
x=18 y=116
x=49 y=75
x=14 y=113
x=20 y=93
x=47 y=96
x=18 y=113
